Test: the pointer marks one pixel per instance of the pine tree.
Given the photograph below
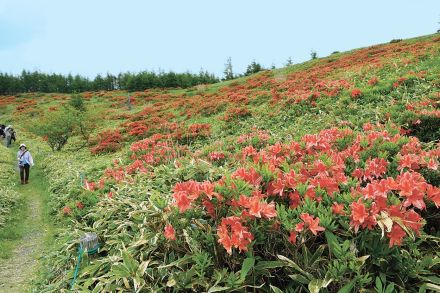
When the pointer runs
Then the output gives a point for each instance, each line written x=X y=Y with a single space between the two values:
x=252 y=68
x=228 y=70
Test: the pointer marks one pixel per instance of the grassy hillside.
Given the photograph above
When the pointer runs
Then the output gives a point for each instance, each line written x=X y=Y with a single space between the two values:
x=317 y=176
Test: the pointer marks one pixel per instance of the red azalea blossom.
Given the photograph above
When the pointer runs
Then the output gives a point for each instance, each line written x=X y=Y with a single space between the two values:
x=216 y=156
x=299 y=227
x=251 y=176
x=432 y=164
x=358 y=214
x=209 y=207
x=88 y=185
x=433 y=194
x=182 y=200
x=356 y=93
x=412 y=186
x=169 y=232
x=295 y=199
x=396 y=235
x=413 y=220
x=312 y=223
x=232 y=234
x=373 y=81
x=256 y=207
x=67 y=210
x=338 y=208
x=292 y=237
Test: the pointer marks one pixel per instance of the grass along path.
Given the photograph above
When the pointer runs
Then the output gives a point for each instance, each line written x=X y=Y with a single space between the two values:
x=29 y=233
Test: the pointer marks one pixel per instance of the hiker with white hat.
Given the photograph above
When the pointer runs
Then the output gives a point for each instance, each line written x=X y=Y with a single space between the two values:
x=25 y=162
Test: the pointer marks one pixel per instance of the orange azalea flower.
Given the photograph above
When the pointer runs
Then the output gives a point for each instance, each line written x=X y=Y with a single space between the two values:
x=433 y=193
x=358 y=214
x=295 y=199
x=292 y=237
x=67 y=210
x=356 y=93
x=338 y=208
x=268 y=210
x=432 y=164
x=396 y=235
x=299 y=227
x=169 y=232
x=312 y=224
x=232 y=234
x=413 y=220
x=373 y=81
x=257 y=207
x=88 y=185
x=182 y=200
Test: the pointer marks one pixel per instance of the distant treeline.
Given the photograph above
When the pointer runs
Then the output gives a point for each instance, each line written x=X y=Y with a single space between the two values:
x=50 y=83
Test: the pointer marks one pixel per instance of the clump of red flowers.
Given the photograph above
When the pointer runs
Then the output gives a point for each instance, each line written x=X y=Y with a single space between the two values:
x=288 y=175
x=356 y=93
x=373 y=81
x=89 y=185
x=236 y=113
x=67 y=211
x=232 y=234
x=310 y=223
x=216 y=156
x=106 y=142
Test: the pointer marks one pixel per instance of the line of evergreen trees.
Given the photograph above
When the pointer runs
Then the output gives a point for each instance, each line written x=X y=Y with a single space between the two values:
x=50 y=83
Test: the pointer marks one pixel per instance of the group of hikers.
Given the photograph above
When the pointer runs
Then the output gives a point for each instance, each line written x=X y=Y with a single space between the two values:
x=24 y=157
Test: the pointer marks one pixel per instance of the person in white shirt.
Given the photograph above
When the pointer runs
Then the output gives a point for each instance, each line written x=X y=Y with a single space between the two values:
x=25 y=161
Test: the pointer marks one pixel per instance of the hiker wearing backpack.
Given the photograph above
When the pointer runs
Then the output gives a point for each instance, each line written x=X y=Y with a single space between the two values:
x=9 y=135
x=25 y=162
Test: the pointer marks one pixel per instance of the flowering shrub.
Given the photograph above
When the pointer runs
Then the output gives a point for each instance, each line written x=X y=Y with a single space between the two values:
x=106 y=141
x=217 y=157
x=317 y=173
x=236 y=113
x=152 y=151
x=356 y=93
x=198 y=130
x=373 y=81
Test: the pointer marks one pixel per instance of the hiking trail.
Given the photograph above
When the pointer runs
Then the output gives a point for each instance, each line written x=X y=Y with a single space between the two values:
x=17 y=271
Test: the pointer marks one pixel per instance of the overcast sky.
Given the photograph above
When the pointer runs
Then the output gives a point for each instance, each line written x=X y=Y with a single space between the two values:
x=100 y=36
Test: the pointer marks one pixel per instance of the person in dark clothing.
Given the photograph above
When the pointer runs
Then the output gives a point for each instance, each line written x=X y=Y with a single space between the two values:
x=2 y=131
x=25 y=161
x=13 y=133
x=9 y=135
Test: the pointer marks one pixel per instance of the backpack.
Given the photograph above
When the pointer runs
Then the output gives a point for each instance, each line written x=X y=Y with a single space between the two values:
x=21 y=156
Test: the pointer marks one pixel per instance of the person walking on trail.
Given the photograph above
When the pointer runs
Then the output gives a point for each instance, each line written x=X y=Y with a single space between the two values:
x=25 y=162
x=9 y=135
